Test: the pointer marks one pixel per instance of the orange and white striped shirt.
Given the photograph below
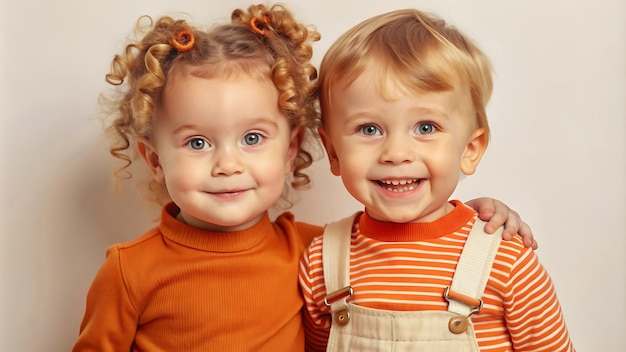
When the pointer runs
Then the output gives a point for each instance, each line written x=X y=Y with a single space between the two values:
x=406 y=267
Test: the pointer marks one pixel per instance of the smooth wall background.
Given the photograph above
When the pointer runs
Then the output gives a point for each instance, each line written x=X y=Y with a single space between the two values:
x=557 y=154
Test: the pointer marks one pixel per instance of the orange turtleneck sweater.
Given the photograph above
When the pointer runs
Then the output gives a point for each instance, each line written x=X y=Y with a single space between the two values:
x=178 y=288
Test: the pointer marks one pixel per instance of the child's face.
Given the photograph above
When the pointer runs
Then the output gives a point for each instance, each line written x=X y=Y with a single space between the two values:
x=222 y=147
x=401 y=157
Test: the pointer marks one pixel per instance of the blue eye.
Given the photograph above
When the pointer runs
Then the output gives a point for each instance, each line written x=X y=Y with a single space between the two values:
x=252 y=139
x=370 y=130
x=425 y=128
x=198 y=144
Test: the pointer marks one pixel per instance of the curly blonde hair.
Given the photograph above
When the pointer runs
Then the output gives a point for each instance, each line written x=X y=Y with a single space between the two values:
x=263 y=42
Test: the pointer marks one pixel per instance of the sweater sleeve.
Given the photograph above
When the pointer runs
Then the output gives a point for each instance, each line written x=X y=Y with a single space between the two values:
x=533 y=312
x=110 y=319
x=308 y=231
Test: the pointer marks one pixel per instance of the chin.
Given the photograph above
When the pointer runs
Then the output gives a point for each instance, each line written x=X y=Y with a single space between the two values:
x=404 y=219
x=396 y=218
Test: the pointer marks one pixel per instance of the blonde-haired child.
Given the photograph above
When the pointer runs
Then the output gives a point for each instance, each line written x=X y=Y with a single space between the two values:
x=403 y=98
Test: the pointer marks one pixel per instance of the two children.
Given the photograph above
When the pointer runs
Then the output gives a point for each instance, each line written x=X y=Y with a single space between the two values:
x=221 y=119
x=403 y=99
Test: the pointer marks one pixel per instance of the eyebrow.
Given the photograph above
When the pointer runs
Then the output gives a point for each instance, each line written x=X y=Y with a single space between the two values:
x=266 y=120
x=184 y=127
x=418 y=111
x=438 y=113
x=252 y=121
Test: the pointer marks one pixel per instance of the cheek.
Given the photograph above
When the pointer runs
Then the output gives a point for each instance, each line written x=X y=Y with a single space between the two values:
x=353 y=155
x=285 y=164
x=270 y=164
x=270 y=176
x=182 y=172
x=443 y=159
x=354 y=168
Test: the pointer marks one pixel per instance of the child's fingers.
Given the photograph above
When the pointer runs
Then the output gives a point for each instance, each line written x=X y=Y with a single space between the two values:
x=515 y=226
x=527 y=236
x=496 y=214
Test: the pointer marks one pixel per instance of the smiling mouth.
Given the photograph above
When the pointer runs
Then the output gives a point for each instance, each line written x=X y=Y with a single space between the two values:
x=399 y=186
x=228 y=193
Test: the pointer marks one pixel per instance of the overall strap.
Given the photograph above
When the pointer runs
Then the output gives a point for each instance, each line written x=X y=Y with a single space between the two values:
x=336 y=263
x=472 y=270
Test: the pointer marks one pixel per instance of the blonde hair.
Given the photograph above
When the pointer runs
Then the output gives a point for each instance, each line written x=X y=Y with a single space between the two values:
x=280 y=52
x=420 y=50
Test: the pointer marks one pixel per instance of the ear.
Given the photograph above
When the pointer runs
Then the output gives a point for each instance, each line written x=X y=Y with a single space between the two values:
x=474 y=151
x=295 y=142
x=330 y=151
x=149 y=154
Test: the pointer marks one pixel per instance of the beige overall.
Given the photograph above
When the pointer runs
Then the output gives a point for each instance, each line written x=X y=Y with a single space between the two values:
x=356 y=328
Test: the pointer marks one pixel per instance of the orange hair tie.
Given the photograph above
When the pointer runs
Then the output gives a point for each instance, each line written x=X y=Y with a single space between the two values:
x=183 y=41
x=255 y=28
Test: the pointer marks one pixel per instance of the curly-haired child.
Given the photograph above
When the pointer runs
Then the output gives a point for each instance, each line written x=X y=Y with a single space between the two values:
x=221 y=119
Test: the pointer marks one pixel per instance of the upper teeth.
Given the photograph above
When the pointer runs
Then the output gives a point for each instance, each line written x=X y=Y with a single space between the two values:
x=398 y=182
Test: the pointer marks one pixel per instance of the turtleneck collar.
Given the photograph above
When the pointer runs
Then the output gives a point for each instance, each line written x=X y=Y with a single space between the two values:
x=224 y=242
x=460 y=216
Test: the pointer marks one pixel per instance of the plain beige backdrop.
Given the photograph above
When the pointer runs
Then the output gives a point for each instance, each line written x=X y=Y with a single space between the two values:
x=557 y=154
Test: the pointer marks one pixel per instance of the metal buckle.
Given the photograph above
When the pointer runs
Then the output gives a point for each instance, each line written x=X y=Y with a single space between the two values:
x=477 y=304
x=337 y=295
x=342 y=316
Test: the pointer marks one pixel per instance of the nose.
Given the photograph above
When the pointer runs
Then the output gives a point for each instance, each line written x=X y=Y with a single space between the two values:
x=226 y=162
x=397 y=150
